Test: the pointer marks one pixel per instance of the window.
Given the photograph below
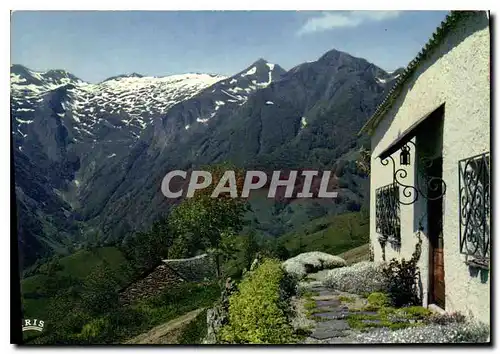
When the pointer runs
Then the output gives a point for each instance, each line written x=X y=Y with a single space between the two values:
x=474 y=199
x=388 y=224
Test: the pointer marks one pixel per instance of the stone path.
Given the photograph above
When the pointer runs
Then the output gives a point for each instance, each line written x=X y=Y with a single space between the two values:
x=323 y=313
x=330 y=313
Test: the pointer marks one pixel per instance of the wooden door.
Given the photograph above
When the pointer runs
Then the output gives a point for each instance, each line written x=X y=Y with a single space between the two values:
x=436 y=240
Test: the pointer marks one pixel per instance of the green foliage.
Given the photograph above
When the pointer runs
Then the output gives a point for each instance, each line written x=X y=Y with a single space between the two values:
x=76 y=325
x=145 y=250
x=308 y=294
x=363 y=161
x=257 y=313
x=357 y=254
x=39 y=291
x=390 y=317
x=381 y=319
x=416 y=312
x=94 y=329
x=332 y=234
x=274 y=248
x=50 y=268
x=348 y=299
x=446 y=318
x=402 y=279
x=310 y=304
x=195 y=331
x=244 y=250
x=100 y=290
x=378 y=299
x=201 y=222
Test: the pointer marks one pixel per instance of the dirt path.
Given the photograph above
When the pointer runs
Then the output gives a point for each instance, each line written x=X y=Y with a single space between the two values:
x=166 y=333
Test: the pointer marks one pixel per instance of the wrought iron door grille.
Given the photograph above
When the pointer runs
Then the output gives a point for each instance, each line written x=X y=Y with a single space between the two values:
x=474 y=199
x=387 y=213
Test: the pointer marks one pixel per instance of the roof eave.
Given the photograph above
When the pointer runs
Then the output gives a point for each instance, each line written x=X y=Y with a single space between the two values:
x=383 y=107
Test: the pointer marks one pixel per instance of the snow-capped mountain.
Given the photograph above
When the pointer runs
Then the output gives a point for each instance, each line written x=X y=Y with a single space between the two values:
x=87 y=109
x=90 y=157
x=74 y=130
x=223 y=96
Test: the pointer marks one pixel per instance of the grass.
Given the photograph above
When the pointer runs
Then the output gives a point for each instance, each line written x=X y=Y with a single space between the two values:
x=130 y=321
x=195 y=331
x=331 y=234
x=310 y=304
x=81 y=263
x=348 y=299
x=309 y=294
x=390 y=317
x=37 y=289
x=357 y=254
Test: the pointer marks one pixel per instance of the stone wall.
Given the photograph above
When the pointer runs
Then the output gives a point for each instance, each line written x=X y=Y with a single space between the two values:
x=151 y=285
x=171 y=273
x=197 y=268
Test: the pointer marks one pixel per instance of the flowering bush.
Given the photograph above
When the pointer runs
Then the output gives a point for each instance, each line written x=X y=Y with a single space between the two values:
x=310 y=262
x=446 y=318
x=453 y=333
x=362 y=277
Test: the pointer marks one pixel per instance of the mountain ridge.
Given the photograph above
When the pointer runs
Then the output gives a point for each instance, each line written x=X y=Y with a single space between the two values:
x=102 y=149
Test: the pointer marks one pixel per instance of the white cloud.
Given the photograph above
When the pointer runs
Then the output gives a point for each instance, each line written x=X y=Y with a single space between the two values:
x=331 y=20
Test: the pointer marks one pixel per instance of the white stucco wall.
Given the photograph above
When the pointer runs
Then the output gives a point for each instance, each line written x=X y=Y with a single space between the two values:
x=456 y=74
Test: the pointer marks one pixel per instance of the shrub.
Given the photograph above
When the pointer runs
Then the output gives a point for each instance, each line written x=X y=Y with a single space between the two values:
x=446 y=318
x=378 y=299
x=401 y=278
x=95 y=329
x=362 y=277
x=257 y=313
x=416 y=312
x=471 y=332
x=310 y=262
x=454 y=333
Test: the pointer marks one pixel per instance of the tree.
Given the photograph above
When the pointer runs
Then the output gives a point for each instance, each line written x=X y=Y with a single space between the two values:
x=100 y=290
x=363 y=161
x=209 y=223
x=147 y=249
x=250 y=248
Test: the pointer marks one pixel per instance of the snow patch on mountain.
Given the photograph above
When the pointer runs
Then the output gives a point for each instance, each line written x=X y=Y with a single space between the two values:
x=252 y=71
x=131 y=101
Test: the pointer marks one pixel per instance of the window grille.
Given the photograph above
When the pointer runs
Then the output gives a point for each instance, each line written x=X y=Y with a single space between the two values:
x=387 y=214
x=474 y=199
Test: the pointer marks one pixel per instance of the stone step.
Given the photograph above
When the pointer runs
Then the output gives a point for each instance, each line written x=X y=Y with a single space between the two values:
x=330 y=329
x=333 y=315
x=323 y=303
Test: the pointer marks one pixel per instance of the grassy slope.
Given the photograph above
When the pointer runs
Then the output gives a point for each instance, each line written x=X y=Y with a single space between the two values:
x=331 y=234
x=144 y=315
x=358 y=254
x=77 y=265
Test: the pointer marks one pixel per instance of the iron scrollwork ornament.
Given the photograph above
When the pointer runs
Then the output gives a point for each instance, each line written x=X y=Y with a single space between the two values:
x=474 y=199
x=427 y=186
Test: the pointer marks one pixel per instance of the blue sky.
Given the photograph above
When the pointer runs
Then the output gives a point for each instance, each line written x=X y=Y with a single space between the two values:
x=95 y=45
